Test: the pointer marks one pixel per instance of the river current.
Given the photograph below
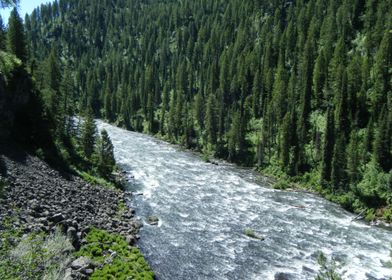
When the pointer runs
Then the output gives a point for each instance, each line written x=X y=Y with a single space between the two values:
x=204 y=210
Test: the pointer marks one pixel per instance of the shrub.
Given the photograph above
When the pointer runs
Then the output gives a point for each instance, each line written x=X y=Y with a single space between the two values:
x=124 y=264
x=328 y=269
x=36 y=256
x=250 y=233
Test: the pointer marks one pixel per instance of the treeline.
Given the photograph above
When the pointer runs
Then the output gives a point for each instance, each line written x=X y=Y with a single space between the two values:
x=301 y=88
x=37 y=113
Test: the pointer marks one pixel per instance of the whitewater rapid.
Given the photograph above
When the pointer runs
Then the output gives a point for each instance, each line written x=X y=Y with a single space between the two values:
x=204 y=210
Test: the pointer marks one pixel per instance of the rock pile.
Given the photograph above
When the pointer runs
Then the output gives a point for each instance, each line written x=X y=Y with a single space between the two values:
x=39 y=198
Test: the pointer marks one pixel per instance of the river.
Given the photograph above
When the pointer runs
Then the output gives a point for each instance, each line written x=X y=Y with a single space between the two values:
x=204 y=210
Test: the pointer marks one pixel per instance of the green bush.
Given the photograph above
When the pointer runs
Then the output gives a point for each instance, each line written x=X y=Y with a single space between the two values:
x=282 y=185
x=327 y=269
x=124 y=264
x=35 y=256
x=250 y=233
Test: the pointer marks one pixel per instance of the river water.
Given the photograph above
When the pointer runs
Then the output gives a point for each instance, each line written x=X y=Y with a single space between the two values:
x=204 y=210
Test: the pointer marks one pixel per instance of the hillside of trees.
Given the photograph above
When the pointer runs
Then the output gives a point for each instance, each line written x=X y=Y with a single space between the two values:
x=300 y=89
x=36 y=116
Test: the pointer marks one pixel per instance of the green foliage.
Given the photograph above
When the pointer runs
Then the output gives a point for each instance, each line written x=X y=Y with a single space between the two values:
x=250 y=233
x=16 y=38
x=35 y=256
x=8 y=63
x=106 y=161
x=95 y=180
x=375 y=187
x=206 y=75
x=125 y=263
x=327 y=270
x=88 y=134
x=282 y=185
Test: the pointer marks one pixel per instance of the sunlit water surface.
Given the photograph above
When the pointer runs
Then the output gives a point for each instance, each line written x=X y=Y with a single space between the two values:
x=204 y=210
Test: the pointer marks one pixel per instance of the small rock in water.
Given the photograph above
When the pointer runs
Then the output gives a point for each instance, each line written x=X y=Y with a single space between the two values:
x=283 y=276
x=153 y=220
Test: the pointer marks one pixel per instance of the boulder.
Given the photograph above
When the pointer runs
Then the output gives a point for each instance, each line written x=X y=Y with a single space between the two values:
x=57 y=218
x=153 y=220
x=81 y=263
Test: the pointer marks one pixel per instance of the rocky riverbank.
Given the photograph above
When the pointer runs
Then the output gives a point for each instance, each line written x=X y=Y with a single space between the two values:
x=38 y=198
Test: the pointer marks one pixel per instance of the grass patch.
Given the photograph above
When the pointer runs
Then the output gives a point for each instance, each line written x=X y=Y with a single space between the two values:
x=117 y=259
x=250 y=233
x=34 y=256
x=94 y=180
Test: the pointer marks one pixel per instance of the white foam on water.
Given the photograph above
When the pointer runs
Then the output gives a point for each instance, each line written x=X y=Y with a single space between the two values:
x=204 y=209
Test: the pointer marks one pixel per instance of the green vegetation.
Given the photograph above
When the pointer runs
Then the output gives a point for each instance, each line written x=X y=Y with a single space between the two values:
x=117 y=260
x=38 y=109
x=250 y=233
x=35 y=256
x=327 y=270
x=42 y=256
x=301 y=89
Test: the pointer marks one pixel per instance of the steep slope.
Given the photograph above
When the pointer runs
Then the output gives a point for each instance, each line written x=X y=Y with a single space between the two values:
x=38 y=199
x=249 y=81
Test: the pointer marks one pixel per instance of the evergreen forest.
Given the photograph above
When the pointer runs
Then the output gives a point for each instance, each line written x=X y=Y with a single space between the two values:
x=299 y=89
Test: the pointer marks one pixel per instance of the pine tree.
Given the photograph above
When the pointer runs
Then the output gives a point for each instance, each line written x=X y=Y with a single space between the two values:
x=235 y=138
x=319 y=78
x=88 y=133
x=211 y=120
x=16 y=38
x=383 y=142
x=285 y=141
x=106 y=161
x=353 y=160
x=3 y=36
x=199 y=110
x=164 y=109
x=338 y=172
x=328 y=148
x=67 y=101
x=382 y=70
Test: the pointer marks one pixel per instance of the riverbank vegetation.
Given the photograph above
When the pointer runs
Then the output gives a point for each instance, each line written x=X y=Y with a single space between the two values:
x=117 y=261
x=298 y=89
x=33 y=256
x=37 y=112
x=49 y=256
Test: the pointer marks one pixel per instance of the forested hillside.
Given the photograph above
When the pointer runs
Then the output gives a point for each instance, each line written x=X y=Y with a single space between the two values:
x=301 y=89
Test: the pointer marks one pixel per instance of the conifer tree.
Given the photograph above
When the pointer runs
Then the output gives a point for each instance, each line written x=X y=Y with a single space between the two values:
x=285 y=141
x=353 y=158
x=211 y=120
x=3 y=35
x=16 y=38
x=106 y=161
x=338 y=171
x=382 y=142
x=88 y=134
x=328 y=148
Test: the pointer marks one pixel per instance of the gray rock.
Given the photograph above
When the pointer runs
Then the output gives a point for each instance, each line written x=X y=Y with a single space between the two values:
x=283 y=276
x=57 y=218
x=131 y=240
x=72 y=234
x=81 y=263
x=68 y=274
x=153 y=220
